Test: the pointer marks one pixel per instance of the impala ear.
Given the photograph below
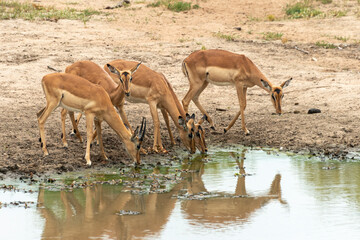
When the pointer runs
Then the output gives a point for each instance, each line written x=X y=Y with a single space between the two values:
x=182 y=122
x=187 y=117
x=113 y=69
x=133 y=70
x=266 y=85
x=286 y=83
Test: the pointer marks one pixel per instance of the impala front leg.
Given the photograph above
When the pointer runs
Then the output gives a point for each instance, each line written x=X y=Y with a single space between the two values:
x=241 y=92
x=157 y=147
x=123 y=115
x=89 y=134
x=166 y=118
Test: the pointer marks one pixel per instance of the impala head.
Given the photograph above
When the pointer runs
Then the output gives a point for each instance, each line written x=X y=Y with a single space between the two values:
x=187 y=132
x=124 y=76
x=137 y=139
x=199 y=137
x=276 y=93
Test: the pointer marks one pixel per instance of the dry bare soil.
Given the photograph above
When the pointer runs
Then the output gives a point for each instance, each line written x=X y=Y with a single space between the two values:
x=324 y=78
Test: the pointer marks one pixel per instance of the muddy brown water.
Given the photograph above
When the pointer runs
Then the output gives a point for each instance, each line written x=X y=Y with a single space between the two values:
x=230 y=194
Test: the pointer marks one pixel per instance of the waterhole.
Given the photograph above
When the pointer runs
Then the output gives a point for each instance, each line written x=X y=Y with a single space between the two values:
x=234 y=193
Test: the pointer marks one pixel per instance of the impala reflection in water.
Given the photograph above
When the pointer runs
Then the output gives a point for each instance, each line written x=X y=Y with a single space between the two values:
x=94 y=212
x=228 y=194
x=225 y=207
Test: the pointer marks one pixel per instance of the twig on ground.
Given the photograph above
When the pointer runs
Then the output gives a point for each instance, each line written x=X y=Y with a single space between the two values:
x=301 y=50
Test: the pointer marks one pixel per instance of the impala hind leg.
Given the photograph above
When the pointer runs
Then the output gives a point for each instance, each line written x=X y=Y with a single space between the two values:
x=193 y=94
x=200 y=107
x=42 y=116
x=166 y=118
x=241 y=92
x=63 y=134
x=75 y=124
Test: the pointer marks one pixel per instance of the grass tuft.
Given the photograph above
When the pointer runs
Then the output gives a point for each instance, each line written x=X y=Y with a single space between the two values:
x=301 y=10
x=227 y=37
x=325 y=1
x=174 y=5
x=31 y=12
x=325 y=45
x=268 y=36
x=179 y=6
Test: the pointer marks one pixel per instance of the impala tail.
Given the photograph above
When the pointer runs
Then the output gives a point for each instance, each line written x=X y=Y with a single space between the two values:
x=184 y=69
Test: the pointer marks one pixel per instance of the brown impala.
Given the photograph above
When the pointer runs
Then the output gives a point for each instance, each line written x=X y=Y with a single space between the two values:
x=153 y=88
x=221 y=68
x=78 y=94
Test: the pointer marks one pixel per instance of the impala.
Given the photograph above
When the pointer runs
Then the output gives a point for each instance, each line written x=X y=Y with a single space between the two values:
x=95 y=74
x=221 y=68
x=153 y=88
x=78 y=94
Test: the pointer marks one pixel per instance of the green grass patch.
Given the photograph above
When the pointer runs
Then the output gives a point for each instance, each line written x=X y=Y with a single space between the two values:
x=31 y=12
x=174 y=5
x=268 y=36
x=325 y=1
x=179 y=6
x=338 y=13
x=341 y=38
x=325 y=45
x=227 y=37
x=301 y=10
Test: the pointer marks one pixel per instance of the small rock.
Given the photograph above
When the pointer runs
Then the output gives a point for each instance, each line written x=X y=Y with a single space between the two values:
x=314 y=110
x=296 y=112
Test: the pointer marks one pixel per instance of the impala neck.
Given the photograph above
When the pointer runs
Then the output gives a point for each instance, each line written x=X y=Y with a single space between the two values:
x=256 y=77
x=177 y=111
x=115 y=122
x=117 y=94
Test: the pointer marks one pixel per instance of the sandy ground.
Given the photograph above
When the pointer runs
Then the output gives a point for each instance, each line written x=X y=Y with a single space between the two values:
x=327 y=79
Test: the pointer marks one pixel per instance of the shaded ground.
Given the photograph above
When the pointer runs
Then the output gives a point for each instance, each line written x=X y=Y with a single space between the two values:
x=327 y=79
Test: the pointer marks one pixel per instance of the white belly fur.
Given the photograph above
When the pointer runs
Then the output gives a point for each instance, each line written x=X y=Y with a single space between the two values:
x=74 y=103
x=220 y=76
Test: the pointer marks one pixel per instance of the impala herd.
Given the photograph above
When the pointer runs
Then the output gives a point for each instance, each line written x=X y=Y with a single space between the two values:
x=87 y=88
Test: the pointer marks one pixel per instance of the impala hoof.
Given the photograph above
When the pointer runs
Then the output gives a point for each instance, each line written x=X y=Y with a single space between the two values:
x=88 y=164
x=213 y=128
x=225 y=130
